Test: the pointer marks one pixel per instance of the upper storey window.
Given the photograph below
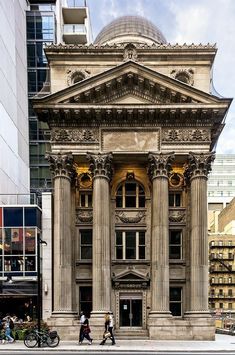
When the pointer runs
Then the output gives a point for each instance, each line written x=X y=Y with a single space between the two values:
x=130 y=194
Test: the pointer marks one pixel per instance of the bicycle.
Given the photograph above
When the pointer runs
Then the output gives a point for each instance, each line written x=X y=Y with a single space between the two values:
x=35 y=338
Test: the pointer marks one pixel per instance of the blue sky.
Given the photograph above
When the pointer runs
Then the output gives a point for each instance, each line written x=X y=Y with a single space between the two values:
x=187 y=21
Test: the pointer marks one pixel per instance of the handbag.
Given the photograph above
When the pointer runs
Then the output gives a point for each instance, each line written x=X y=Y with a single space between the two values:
x=106 y=334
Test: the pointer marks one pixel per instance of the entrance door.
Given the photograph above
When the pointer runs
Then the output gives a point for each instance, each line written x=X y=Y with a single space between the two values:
x=130 y=312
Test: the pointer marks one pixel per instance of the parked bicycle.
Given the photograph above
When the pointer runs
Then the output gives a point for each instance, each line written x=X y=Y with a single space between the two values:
x=42 y=338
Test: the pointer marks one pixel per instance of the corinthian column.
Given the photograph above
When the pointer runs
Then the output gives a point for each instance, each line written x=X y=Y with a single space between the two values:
x=199 y=166
x=159 y=167
x=101 y=169
x=63 y=172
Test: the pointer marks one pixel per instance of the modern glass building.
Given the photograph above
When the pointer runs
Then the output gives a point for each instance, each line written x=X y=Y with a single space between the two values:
x=41 y=30
x=20 y=228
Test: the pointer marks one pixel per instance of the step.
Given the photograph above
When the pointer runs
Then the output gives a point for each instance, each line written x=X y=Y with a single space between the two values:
x=131 y=334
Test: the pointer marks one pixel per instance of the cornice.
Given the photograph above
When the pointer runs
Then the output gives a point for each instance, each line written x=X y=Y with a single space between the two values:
x=154 y=46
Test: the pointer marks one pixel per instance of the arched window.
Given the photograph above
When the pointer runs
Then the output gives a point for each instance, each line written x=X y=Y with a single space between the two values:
x=130 y=194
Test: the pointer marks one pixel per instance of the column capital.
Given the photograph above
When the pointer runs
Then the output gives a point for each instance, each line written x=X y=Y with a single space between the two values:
x=101 y=164
x=61 y=165
x=199 y=165
x=160 y=164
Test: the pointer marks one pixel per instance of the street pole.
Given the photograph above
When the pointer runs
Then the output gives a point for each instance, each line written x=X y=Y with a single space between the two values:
x=39 y=291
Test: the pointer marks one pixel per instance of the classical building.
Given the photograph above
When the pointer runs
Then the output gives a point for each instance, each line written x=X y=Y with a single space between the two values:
x=133 y=129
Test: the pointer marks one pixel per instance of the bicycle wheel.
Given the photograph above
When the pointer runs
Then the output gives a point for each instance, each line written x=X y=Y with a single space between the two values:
x=53 y=342
x=31 y=340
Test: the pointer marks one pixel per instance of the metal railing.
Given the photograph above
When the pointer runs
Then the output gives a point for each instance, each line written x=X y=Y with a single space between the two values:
x=19 y=199
x=74 y=3
x=74 y=29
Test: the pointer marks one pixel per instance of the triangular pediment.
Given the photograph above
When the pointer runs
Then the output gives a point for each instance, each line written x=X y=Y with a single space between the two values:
x=130 y=276
x=129 y=83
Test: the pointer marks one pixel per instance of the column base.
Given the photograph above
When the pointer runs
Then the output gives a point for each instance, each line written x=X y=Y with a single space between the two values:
x=181 y=328
x=97 y=321
x=66 y=324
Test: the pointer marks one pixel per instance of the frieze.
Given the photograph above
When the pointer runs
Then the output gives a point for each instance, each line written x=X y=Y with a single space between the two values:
x=141 y=285
x=123 y=217
x=75 y=135
x=186 y=135
x=177 y=216
x=84 y=216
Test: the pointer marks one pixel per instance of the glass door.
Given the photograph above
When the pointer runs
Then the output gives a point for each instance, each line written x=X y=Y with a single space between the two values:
x=130 y=312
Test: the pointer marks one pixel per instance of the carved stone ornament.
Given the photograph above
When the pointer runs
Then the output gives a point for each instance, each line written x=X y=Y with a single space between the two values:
x=101 y=164
x=160 y=164
x=61 y=165
x=184 y=74
x=75 y=135
x=123 y=217
x=85 y=181
x=177 y=216
x=186 y=135
x=176 y=180
x=199 y=165
x=130 y=53
x=75 y=75
x=84 y=216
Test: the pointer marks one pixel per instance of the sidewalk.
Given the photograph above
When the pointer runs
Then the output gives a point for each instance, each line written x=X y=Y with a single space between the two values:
x=223 y=344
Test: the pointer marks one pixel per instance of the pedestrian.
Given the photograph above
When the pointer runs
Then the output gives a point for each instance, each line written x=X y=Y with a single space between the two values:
x=82 y=320
x=86 y=332
x=7 y=328
x=108 y=326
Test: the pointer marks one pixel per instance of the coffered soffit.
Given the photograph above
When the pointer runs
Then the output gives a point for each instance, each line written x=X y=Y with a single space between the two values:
x=128 y=83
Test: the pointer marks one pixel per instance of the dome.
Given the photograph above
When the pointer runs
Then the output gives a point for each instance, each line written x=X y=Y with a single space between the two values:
x=127 y=29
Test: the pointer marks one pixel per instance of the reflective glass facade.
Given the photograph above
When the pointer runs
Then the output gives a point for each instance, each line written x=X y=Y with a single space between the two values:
x=41 y=29
x=19 y=229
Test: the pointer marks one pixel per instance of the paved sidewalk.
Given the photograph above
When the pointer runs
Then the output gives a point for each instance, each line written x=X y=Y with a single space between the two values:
x=223 y=343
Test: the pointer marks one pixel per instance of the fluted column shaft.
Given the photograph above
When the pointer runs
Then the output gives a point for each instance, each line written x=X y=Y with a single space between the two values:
x=160 y=165
x=198 y=168
x=64 y=281
x=100 y=166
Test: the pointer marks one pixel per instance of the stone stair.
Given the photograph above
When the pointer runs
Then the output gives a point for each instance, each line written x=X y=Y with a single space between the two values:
x=140 y=334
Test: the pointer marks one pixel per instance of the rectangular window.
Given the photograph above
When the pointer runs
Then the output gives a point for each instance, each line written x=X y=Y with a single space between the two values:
x=230 y=292
x=130 y=245
x=230 y=306
x=176 y=301
x=175 y=244
x=174 y=199
x=86 y=244
x=85 y=199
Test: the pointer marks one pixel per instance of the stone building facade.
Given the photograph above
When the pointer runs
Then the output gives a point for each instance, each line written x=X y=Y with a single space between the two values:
x=133 y=128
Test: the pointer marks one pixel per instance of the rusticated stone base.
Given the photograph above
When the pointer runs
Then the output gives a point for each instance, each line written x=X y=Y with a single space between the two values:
x=181 y=329
x=67 y=325
x=97 y=324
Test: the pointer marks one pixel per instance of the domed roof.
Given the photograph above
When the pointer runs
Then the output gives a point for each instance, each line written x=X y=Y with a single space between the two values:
x=130 y=29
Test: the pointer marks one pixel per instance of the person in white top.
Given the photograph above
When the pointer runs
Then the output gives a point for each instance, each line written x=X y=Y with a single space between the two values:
x=108 y=329
x=82 y=320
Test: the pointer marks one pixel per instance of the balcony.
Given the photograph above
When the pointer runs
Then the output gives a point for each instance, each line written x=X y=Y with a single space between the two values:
x=74 y=34
x=218 y=295
x=223 y=245
x=218 y=257
x=74 y=11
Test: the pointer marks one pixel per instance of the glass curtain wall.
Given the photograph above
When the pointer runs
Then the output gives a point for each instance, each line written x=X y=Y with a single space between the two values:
x=41 y=30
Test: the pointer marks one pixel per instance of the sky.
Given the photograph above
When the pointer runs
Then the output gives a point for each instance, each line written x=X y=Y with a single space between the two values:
x=187 y=21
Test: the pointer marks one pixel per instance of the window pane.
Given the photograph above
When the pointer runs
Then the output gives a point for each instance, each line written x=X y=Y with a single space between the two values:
x=130 y=201
x=30 y=241
x=141 y=201
x=130 y=188
x=30 y=216
x=175 y=309
x=86 y=252
x=17 y=240
x=177 y=200
x=141 y=238
x=175 y=237
x=118 y=201
x=175 y=293
x=130 y=245
x=86 y=236
x=175 y=252
x=119 y=253
x=13 y=217
x=118 y=238
x=141 y=252
x=30 y=264
x=171 y=200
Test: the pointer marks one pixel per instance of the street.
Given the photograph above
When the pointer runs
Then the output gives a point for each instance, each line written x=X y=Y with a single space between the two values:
x=109 y=352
